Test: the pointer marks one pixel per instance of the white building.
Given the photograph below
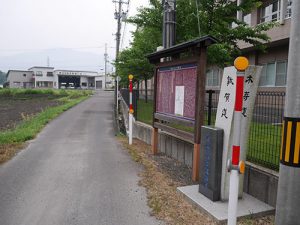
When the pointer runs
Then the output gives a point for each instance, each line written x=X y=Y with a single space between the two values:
x=75 y=79
x=47 y=77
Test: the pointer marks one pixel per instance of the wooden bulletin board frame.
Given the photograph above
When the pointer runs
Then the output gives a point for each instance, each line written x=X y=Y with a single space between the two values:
x=175 y=56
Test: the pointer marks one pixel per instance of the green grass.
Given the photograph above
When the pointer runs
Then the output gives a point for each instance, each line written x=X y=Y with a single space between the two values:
x=264 y=144
x=31 y=126
x=264 y=139
x=145 y=111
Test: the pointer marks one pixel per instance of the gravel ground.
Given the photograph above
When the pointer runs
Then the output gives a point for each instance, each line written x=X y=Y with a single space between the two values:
x=178 y=171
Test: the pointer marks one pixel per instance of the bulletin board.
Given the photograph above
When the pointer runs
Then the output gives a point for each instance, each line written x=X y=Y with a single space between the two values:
x=176 y=91
x=179 y=88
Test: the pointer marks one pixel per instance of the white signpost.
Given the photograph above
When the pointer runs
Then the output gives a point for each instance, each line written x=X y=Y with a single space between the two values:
x=225 y=121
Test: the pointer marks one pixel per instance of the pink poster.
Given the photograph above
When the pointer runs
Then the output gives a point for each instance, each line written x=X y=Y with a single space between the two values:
x=168 y=78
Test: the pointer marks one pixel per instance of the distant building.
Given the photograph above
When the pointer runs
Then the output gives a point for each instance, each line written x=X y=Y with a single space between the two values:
x=275 y=59
x=43 y=77
x=48 y=77
x=20 y=79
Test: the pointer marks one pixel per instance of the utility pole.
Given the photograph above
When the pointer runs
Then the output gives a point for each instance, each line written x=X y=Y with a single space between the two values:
x=169 y=23
x=119 y=15
x=288 y=196
x=105 y=65
x=48 y=61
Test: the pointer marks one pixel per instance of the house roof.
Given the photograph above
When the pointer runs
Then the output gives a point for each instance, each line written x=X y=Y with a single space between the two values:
x=76 y=71
x=22 y=71
x=41 y=67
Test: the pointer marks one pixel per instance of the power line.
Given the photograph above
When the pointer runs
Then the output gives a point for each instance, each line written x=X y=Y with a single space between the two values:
x=105 y=65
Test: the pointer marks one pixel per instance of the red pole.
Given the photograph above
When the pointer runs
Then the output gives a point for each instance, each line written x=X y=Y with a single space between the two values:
x=130 y=77
x=235 y=166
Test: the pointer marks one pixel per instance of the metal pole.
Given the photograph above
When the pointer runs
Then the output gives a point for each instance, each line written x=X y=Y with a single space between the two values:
x=169 y=23
x=117 y=93
x=131 y=111
x=118 y=50
x=164 y=24
x=210 y=93
x=118 y=34
x=235 y=166
x=288 y=197
x=105 y=65
x=118 y=16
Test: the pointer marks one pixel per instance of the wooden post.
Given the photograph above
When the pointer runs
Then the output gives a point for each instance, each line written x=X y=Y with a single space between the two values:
x=155 y=130
x=199 y=110
x=196 y=153
x=154 y=141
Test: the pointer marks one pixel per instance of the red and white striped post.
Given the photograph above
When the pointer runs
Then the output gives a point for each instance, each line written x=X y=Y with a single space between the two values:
x=235 y=166
x=131 y=111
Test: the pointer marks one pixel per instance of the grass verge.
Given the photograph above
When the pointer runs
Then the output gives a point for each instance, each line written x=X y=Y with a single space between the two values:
x=145 y=111
x=11 y=141
x=163 y=199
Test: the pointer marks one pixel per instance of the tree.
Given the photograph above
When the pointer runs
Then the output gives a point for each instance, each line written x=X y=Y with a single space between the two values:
x=2 y=77
x=216 y=18
x=133 y=61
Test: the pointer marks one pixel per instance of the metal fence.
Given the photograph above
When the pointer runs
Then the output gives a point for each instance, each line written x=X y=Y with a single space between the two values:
x=135 y=96
x=150 y=94
x=211 y=105
x=265 y=129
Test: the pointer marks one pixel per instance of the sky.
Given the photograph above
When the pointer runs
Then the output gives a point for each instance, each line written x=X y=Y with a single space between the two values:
x=81 y=25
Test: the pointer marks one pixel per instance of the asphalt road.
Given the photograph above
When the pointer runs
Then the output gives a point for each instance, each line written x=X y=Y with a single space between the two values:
x=74 y=173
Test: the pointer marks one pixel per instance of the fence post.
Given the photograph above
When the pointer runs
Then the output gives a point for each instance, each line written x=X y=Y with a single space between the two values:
x=135 y=105
x=210 y=93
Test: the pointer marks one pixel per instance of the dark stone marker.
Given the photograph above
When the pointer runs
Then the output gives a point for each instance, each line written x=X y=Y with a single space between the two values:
x=210 y=168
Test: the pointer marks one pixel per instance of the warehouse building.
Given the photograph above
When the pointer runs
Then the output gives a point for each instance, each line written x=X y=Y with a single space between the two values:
x=48 y=77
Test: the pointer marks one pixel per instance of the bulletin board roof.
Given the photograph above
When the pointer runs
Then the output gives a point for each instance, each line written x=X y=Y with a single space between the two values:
x=176 y=49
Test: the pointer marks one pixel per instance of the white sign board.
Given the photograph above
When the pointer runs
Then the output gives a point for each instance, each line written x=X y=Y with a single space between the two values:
x=225 y=121
x=179 y=100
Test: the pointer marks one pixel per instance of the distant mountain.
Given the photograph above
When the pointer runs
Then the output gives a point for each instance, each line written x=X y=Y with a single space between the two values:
x=58 y=58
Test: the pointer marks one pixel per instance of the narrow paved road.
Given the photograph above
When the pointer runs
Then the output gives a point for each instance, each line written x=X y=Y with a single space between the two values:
x=74 y=173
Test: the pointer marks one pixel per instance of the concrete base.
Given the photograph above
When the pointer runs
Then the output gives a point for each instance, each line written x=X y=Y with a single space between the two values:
x=248 y=206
